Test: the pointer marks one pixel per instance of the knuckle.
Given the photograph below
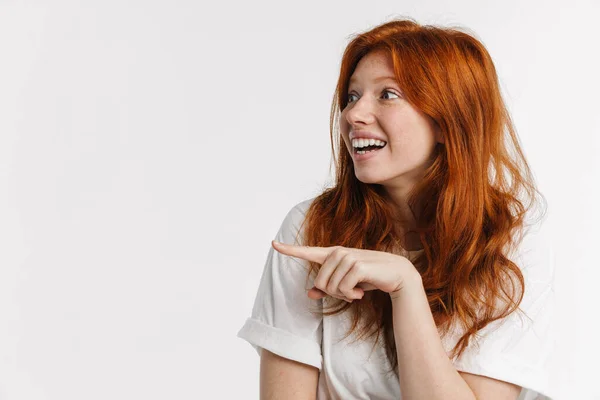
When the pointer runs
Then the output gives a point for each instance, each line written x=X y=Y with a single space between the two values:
x=339 y=251
x=319 y=284
x=359 y=265
x=350 y=258
x=345 y=290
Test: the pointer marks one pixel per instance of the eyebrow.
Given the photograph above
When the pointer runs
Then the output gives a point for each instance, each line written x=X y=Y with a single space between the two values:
x=381 y=78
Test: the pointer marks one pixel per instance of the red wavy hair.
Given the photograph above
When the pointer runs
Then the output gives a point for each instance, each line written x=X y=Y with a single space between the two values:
x=471 y=204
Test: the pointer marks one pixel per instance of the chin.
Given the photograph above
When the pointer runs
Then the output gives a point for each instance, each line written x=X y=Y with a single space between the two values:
x=368 y=178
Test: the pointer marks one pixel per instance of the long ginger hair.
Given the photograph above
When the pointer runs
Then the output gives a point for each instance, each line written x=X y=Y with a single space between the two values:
x=470 y=205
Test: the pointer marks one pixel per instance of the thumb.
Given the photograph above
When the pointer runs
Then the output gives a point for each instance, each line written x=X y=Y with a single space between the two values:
x=316 y=294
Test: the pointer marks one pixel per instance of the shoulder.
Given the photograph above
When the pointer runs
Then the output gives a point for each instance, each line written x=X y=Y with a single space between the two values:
x=534 y=254
x=293 y=222
x=298 y=211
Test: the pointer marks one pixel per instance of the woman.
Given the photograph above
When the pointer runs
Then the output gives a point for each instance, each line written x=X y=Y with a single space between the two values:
x=426 y=276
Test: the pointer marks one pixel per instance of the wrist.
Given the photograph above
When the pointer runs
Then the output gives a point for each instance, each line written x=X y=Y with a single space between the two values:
x=409 y=284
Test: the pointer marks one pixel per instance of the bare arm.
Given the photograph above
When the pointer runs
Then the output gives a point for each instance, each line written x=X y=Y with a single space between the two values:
x=425 y=371
x=282 y=378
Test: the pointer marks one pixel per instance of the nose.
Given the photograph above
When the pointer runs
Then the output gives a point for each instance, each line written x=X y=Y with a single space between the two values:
x=360 y=111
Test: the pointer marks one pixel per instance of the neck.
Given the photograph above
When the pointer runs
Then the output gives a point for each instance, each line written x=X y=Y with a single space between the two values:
x=405 y=216
x=406 y=220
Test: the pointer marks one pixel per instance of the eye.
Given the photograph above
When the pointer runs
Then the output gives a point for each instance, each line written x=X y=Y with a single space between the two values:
x=384 y=91
x=389 y=91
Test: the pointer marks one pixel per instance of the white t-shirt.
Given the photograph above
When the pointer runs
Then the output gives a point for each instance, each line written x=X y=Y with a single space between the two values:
x=512 y=349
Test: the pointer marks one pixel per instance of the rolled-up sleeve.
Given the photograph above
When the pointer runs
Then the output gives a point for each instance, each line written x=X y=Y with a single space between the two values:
x=281 y=319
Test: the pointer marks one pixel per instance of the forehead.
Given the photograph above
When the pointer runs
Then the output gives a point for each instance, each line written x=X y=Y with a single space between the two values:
x=373 y=68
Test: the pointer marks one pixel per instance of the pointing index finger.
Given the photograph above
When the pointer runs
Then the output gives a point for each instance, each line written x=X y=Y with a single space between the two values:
x=309 y=253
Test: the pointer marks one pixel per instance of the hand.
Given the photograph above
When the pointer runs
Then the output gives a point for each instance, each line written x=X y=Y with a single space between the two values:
x=346 y=273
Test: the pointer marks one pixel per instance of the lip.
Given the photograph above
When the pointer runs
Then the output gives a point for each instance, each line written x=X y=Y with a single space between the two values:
x=360 y=134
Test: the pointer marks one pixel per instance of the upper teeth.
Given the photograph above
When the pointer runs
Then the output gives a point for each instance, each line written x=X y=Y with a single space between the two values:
x=367 y=142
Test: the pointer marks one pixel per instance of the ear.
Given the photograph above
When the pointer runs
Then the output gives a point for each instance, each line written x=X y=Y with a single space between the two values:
x=438 y=134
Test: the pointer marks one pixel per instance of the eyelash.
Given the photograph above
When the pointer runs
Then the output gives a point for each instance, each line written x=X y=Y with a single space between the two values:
x=384 y=91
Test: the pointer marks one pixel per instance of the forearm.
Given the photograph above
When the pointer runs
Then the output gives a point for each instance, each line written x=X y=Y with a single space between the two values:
x=424 y=369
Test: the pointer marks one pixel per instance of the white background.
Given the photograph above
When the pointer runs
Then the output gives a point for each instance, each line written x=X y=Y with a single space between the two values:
x=150 y=150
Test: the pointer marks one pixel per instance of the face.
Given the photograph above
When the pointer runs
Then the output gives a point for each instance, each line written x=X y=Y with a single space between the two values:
x=376 y=106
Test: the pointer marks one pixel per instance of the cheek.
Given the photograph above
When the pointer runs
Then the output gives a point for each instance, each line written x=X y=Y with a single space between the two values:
x=412 y=135
x=413 y=146
x=344 y=131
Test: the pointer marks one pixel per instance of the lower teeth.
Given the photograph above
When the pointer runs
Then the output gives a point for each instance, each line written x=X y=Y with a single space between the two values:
x=364 y=152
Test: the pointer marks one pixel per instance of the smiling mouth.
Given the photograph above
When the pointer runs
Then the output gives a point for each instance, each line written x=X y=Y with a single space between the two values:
x=367 y=149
